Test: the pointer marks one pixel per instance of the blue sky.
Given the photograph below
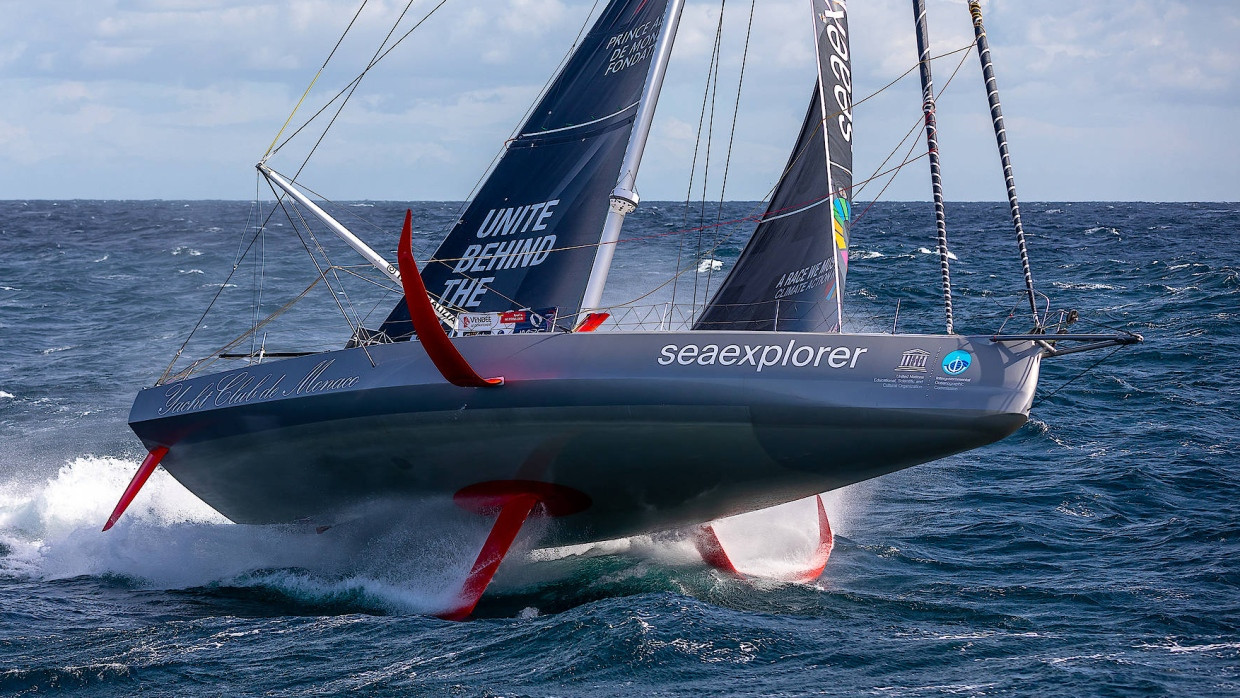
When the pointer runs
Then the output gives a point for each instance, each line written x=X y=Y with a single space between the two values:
x=1106 y=100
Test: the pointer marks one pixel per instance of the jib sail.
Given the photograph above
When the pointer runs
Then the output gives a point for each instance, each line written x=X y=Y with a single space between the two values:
x=791 y=274
x=527 y=239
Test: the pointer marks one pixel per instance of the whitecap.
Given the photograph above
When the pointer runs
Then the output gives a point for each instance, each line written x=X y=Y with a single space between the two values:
x=1078 y=511
x=190 y=271
x=926 y=250
x=53 y=350
x=865 y=254
x=1177 y=648
x=104 y=258
x=708 y=265
x=1081 y=286
x=6 y=395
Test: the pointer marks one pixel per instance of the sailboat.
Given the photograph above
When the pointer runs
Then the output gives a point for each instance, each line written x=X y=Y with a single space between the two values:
x=495 y=383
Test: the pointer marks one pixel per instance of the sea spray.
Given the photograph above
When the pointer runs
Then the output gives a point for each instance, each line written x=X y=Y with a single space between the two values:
x=398 y=556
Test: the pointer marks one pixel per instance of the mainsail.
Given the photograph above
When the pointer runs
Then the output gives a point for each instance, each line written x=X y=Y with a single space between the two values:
x=791 y=274
x=527 y=240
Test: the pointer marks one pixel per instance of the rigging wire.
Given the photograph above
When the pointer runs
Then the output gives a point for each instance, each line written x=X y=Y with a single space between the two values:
x=211 y=358
x=1072 y=380
x=358 y=82
x=697 y=145
x=354 y=329
x=314 y=80
x=727 y=163
x=709 y=92
x=516 y=131
x=916 y=125
x=352 y=84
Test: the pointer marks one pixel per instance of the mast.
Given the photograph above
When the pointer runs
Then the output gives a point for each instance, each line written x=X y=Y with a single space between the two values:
x=624 y=197
x=821 y=18
x=996 y=116
x=932 y=143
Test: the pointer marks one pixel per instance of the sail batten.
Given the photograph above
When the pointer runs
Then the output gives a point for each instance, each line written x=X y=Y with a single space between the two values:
x=791 y=275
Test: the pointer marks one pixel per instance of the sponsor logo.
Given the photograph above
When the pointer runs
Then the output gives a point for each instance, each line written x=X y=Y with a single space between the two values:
x=836 y=35
x=504 y=322
x=244 y=387
x=957 y=362
x=633 y=47
x=475 y=321
x=760 y=356
x=913 y=361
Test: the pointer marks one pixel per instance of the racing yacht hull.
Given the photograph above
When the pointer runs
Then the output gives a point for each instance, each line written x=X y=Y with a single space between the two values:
x=656 y=430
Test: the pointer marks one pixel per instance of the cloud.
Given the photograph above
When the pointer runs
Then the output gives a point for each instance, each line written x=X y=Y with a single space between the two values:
x=112 y=89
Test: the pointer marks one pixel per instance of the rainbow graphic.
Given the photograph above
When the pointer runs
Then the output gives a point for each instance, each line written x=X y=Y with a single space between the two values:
x=841 y=214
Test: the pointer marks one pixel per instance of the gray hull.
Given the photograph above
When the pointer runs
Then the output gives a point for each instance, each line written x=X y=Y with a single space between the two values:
x=659 y=430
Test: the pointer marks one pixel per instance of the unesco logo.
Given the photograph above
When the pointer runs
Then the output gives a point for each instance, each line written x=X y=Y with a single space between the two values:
x=957 y=362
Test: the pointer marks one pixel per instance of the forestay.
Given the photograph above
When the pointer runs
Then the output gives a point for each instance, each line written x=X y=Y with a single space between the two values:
x=528 y=238
x=791 y=275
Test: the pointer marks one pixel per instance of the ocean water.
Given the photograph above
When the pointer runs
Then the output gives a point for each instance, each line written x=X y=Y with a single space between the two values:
x=1094 y=552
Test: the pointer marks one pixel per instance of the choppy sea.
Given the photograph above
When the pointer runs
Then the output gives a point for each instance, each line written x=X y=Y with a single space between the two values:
x=1094 y=552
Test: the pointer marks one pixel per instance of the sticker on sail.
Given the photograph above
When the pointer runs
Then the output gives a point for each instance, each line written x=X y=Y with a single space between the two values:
x=957 y=362
x=507 y=322
x=632 y=47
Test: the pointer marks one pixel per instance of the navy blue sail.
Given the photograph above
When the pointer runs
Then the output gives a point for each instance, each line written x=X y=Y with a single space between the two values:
x=528 y=239
x=790 y=276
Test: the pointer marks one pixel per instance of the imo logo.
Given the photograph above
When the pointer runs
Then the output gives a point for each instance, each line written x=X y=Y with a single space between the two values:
x=957 y=362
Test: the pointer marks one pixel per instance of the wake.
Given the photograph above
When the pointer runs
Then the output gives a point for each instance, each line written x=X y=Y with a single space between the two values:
x=397 y=557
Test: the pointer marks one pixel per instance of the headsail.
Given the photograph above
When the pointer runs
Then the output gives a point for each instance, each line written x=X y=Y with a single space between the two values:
x=791 y=274
x=527 y=239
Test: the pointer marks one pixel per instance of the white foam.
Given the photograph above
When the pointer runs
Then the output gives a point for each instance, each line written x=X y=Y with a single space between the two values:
x=1084 y=286
x=925 y=250
x=769 y=543
x=780 y=540
x=401 y=557
x=4 y=394
x=408 y=559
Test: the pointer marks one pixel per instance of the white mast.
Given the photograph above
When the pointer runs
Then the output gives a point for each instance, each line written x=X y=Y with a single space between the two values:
x=624 y=197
